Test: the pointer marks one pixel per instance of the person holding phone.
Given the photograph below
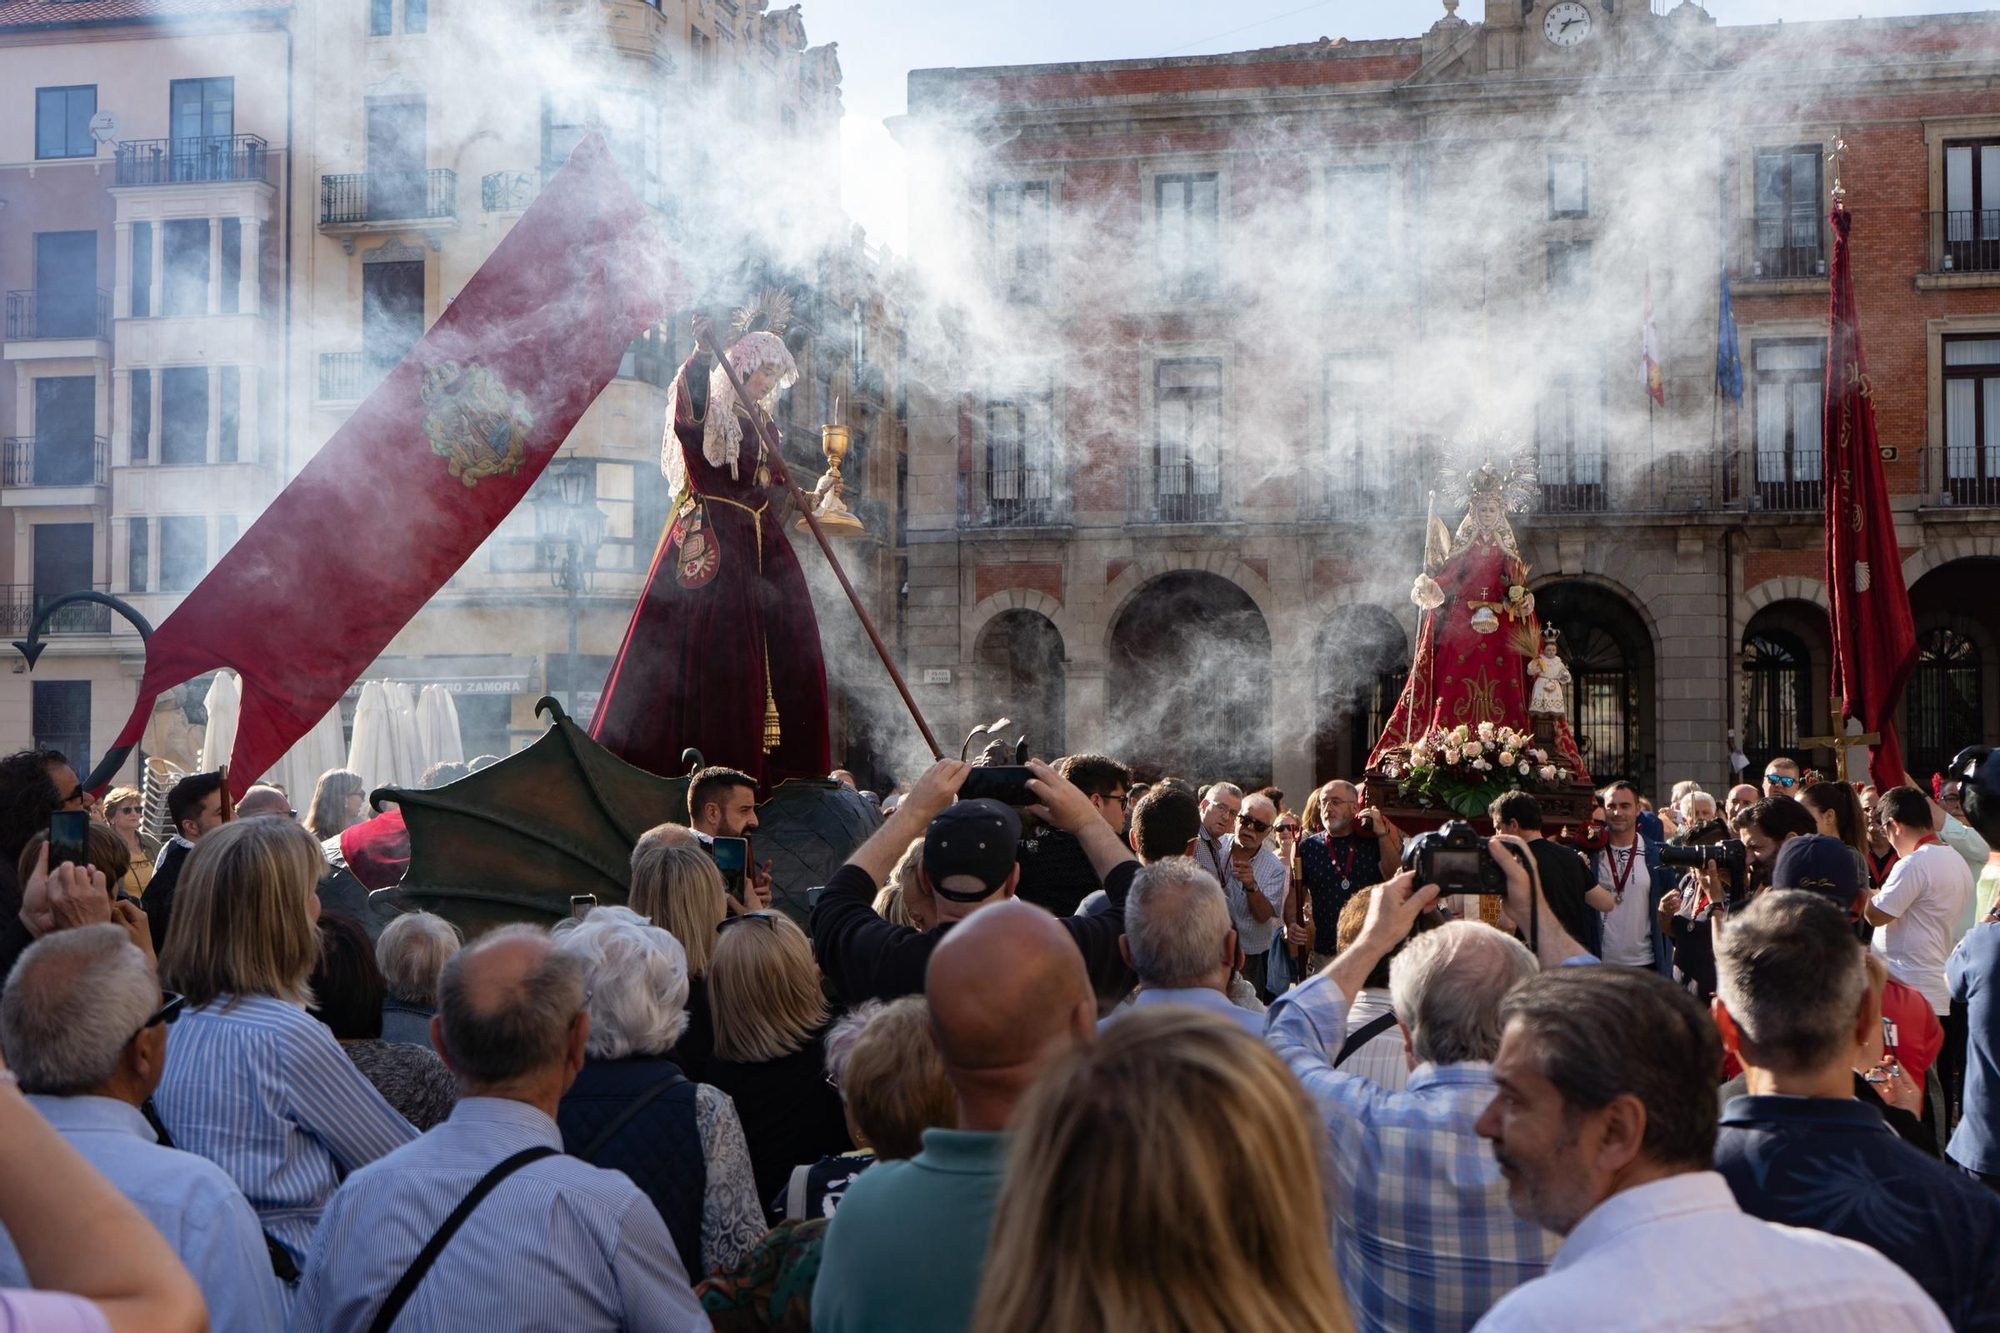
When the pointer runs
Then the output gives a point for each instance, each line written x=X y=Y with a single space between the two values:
x=722 y=804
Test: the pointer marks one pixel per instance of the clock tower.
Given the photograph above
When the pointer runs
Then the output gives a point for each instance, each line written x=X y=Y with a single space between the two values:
x=1563 y=36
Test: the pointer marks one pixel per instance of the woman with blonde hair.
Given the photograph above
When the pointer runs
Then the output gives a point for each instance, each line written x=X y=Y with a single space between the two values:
x=676 y=887
x=338 y=800
x=125 y=812
x=904 y=901
x=1121 y=1204
x=252 y=1081
x=770 y=1046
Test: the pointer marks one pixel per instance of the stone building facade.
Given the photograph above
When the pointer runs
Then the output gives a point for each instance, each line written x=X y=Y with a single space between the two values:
x=1261 y=297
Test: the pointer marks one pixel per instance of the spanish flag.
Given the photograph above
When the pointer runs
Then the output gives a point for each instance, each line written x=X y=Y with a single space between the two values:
x=1649 y=347
x=425 y=469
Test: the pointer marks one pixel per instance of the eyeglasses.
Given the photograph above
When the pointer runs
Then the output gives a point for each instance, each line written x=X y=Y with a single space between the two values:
x=171 y=1004
x=1780 y=779
x=124 y=809
x=75 y=798
x=1251 y=822
x=1123 y=798
x=729 y=921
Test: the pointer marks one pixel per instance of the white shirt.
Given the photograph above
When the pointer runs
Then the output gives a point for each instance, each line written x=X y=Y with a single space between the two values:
x=1926 y=892
x=1679 y=1256
x=1628 y=926
x=1972 y=849
x=1381 y=1059
x=1253 y=936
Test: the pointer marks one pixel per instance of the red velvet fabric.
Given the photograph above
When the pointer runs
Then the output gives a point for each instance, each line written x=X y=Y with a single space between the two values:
x=377 y=850
x=691 y=671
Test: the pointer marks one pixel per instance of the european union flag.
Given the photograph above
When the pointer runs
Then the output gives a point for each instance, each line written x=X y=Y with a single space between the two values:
x=1728 y=358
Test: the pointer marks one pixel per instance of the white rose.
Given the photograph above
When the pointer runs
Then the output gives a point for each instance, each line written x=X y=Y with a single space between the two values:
x=1450 y=754
x=1482 y=765
x=1472 y=747
x=1539 y=756
x=1485 y=731
x=1563 y=774
x=1523 y=770
x=1548 y=774
x=1390 y=770
x=1506 y=759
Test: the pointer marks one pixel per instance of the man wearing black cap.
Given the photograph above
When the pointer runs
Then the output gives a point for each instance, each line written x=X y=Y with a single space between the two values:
x=968 y=862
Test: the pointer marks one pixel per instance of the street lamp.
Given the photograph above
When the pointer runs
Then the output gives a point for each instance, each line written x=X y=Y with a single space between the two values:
x=570 y=526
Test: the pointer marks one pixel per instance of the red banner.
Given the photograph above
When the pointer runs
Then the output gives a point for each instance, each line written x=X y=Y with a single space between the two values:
x=427 y=466
x=1874 y=636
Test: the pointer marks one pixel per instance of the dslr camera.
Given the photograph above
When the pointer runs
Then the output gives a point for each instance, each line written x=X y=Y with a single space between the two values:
x=1730 y=856
x=1456 y=859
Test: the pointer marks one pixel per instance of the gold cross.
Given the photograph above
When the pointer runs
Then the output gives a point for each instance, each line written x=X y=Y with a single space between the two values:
x=1838 y=740
x=1836 y=158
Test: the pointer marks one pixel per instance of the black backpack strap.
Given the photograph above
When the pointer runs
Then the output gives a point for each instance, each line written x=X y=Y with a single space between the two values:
x=1362 y=1035
x=624 y=1117
x=399 y=1295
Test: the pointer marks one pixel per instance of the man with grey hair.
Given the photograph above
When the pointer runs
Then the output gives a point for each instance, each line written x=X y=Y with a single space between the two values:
x=544 y=1240
x=412 y=953
x=1220 y=805
x=83 y=1024
x=1423 y=1236
x=1793 y=1005
x=1179 y=940
x=1255 y=882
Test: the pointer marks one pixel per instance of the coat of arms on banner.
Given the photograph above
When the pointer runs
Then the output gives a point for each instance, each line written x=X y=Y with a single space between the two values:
x=475 y=421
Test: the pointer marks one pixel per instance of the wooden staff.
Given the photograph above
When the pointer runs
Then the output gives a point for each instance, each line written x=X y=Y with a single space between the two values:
x=768 y=433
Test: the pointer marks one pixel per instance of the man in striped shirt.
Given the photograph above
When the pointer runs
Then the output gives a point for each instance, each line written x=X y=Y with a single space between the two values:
x=558 y=1243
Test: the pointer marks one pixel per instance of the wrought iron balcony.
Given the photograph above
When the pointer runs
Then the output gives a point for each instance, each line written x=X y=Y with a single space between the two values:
x=361 y=197
x=1174 y=493
x=1365 y=491
x=347 y=377
x=1012 y=498
x=218 y=157
x=1778 y=248
x=508 y=191
x=52 y=462
x=59 y=314
x=1962 y=476
x=1962 y=241
x=25 y=602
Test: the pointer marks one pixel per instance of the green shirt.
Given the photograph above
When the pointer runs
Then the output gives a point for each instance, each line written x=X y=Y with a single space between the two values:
x=906 y=1244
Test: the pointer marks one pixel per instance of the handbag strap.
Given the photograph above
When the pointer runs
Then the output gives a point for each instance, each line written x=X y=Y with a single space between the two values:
x=1362 y=1035
x=400 y=1294
x=624 y=1117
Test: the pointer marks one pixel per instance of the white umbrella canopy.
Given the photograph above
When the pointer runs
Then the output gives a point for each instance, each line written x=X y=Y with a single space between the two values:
x=409 y=740
x=373 y=752
x=224 y=702
x=322 y=748
x=437 y=727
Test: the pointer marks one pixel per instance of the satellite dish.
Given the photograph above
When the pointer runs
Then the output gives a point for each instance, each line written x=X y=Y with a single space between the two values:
x=104 y=127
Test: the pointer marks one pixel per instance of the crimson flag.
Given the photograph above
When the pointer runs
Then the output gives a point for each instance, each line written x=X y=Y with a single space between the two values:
x=425 y=469
x=1874 y=635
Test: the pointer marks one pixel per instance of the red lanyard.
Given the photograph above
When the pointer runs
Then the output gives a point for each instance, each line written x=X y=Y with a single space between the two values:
x=1927 y=840
x=1619 y=877
x=1347 y=866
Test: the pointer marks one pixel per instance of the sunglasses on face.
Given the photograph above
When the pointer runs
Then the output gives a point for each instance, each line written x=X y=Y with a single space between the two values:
x=74 y=799
x=1778 y=779
x=1253 y=823
x=1123 y=798
x=729 y=921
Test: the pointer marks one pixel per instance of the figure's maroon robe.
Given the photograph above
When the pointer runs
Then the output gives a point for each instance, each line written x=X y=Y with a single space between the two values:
x=692 y=669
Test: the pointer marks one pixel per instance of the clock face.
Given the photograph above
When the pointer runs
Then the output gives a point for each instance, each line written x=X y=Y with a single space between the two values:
x=1566 y=24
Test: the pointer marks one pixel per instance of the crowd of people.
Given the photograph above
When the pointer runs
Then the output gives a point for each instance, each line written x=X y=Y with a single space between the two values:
x=1122 y=1056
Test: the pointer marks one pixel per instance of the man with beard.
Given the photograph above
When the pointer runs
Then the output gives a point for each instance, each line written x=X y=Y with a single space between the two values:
x=1353 y=853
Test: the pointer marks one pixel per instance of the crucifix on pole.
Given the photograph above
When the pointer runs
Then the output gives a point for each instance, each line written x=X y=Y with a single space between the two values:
x=1838 y=740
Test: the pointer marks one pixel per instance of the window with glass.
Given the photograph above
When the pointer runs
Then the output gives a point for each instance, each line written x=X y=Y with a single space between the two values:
x=229 y=413
x=1020 y=455
x=1972 y=206
x=183 y=553
x=1569 y=442
x=184 y=416
x=185 y=254
x=1361 y=469
x=1788 y=197
x=1790 y=385
x=417 y=15
x=66 y=286
x=1777 y=672
x=1186 y=221
x=1187 y=438
x=141 y=415
x=61 y=711
x=381 y=17
x=229 y=297
x=1972 y=419
x=1569 y=272
x=138 y=555
x=1357 y=221
x=1569 y=185
x=1017 y=232
x=142 y=269
x=201 y=120
x=62 y=121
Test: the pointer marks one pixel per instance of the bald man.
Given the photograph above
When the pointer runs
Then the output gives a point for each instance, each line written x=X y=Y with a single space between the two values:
x=265 y=800
x=1741 y=797
x=1009 y=995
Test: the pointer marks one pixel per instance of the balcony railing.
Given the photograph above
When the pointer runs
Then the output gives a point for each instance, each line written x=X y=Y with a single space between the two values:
x=507 y=191
x=347 y=377
x=1018 y=498
x=1962 y=241
x=45 y=314
x=50 y=462
x=219 y=157
x=1175 y=493
x=1361 y=494
x=1965 y=476
x=387 y=196
x=24 y=603
x=1782 y=247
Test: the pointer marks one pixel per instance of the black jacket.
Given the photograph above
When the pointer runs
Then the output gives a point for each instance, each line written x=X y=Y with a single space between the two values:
x=659 y=1148
x=158 y=901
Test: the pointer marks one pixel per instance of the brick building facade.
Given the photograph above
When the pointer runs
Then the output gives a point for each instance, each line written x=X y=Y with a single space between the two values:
x=1234 y=310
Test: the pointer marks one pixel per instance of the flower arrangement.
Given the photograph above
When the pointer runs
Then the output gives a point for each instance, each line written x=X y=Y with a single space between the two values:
x=1467 y=768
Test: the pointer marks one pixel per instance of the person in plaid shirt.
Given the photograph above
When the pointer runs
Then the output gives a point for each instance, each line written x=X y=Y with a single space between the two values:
x=1423 y=1235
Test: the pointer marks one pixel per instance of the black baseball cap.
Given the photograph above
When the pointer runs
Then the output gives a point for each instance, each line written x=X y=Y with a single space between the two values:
x=976 y=838
x=1818 y=864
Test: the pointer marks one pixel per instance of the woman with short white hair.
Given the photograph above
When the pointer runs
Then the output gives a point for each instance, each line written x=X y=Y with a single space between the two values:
x=412 y=953
x=631 y=1108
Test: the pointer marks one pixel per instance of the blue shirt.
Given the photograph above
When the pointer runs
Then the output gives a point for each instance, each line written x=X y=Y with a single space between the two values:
x=904 y=1251
x=558 y=1245
x=265 y=1092
x=1423 y=1233
x=1199 y=997
x=1833 y=1164
x=1973 y=972
x=188 y=1199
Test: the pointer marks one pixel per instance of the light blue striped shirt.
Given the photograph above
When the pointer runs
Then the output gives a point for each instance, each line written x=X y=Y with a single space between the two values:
x=265 y=1092
x=188 y=1200
x=558 y=1245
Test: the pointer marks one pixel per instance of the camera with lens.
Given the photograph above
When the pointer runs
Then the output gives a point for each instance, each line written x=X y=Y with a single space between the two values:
x=1456 y=859
x=1729 y=856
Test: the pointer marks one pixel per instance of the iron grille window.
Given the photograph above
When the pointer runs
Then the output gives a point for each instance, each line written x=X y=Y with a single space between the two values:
x=1787 y=201
x=62 y=121
x=1972 y=420
x=1776 y=672
x=1569 y=443
x=1186 y=218
x=1569 y=185
x=1187 y=440
x=1604 y=704
x=1790 y=389
x=1947 y=699
x=1017 y=229
x=1972 y=205
x=1020 y=457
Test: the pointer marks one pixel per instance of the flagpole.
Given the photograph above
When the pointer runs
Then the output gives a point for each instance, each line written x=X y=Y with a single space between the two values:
x=784 y=478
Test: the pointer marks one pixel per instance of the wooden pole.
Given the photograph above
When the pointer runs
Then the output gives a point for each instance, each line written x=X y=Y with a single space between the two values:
x=782 y=475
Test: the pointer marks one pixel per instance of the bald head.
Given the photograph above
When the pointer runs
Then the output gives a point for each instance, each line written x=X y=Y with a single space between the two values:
x=1008 y=992
x=262 y=800
x=507 y=1007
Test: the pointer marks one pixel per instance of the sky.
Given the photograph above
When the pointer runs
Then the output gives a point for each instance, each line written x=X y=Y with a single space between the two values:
x=881 y=41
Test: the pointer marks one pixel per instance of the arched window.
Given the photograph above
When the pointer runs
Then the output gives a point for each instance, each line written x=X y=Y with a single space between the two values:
x=1777 y=672
x=1604 y=702
x=1020 y=673
x=1946 y=708
x=1189 y=683
x=1360 y=662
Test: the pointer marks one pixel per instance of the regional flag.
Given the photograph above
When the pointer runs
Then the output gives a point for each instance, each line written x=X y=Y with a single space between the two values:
x=1874 y=635
x=1649 y=347
x=427 y=466
x=1728 y=354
